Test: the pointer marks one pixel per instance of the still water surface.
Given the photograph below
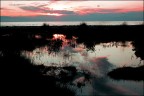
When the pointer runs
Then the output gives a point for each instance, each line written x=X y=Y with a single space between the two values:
x=59 y=23
x=92 y=65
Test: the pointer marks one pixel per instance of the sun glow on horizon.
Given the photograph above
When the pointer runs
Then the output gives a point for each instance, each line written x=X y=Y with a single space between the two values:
x=71 y=9
x=52 y=14
x=58 y=7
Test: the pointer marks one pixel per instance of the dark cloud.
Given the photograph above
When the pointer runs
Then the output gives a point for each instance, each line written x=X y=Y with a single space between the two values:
x=109 y=10
x=30 y=8
x=42 y=5
x=1 y=8
x=16 y=4
x=63 y=12
x=45 y=10
x=5 y=9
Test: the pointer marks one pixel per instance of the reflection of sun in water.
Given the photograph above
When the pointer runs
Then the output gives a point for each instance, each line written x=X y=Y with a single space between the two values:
x=58 y=36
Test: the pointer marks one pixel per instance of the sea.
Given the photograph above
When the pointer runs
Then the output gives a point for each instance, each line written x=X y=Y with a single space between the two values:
x=61 y=23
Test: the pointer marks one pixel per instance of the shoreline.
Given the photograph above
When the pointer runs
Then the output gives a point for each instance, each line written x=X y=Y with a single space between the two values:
x=71 y=23
x=101 y=32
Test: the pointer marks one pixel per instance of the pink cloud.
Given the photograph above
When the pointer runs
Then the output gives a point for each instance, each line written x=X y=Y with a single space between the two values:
x=36 y=8
x=105 y=10
x=14 y=13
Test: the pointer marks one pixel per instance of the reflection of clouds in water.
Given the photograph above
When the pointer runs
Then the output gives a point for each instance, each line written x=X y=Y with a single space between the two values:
x=102 y=64
x=97 y=66
x=120 y=90
x=92 y=66
x=102 y=87
x=118 y=54
x=95 y=62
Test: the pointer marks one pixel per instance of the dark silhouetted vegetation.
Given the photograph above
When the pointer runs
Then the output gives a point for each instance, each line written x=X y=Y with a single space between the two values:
x=20 y=74
x=130 y=73
x=138 y=48
x=84 y=31
x=127 y=73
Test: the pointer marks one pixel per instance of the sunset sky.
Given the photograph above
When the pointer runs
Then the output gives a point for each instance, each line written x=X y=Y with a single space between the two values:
x=56 y=10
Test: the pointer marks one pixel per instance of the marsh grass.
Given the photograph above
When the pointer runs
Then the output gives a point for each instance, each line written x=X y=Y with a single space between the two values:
x=20 y=72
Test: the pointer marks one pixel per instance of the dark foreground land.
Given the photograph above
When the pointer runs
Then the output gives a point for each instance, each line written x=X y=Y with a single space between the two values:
x=19 y=74
x=84 y=31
